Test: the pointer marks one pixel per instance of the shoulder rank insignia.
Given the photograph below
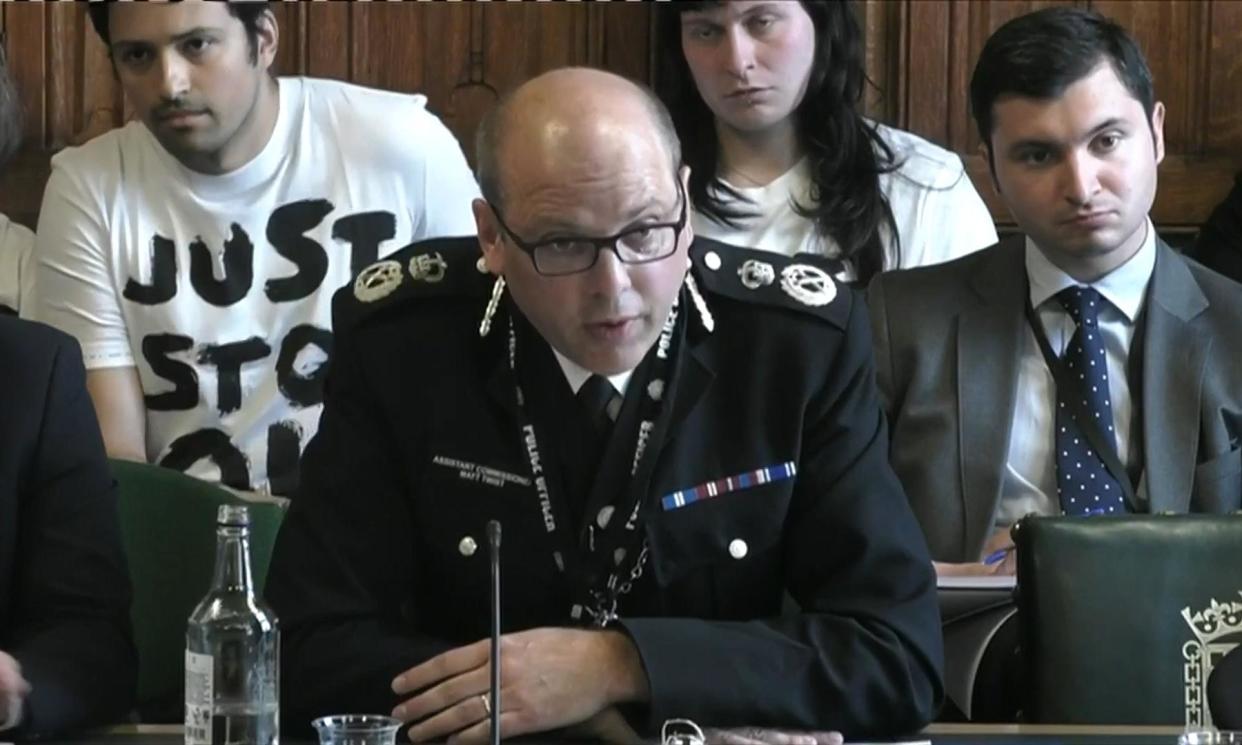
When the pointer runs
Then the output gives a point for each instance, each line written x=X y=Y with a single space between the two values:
x=377 y=281
x=435 y=268
x=808 y=284
x=803 y=282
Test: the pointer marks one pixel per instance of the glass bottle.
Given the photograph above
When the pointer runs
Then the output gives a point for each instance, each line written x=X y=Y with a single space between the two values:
x=232 y=649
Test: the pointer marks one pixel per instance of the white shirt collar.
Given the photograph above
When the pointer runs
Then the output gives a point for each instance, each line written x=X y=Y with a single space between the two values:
x=577 y=375
x=1124 y=287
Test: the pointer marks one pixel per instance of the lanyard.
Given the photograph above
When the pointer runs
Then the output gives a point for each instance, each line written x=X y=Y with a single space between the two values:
x=1087 y=423
x=596 y=561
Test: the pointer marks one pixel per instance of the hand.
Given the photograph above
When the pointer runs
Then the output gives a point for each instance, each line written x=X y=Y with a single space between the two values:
x=13 y=687
x=549 y=678
x=764 y=736
x=1000 y=541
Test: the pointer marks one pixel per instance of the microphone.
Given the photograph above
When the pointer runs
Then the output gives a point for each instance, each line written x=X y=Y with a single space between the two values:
x=493 y=548
x=1224 y=691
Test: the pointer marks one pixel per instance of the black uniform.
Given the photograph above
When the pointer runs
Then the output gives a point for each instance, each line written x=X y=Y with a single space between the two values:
x=763 y=468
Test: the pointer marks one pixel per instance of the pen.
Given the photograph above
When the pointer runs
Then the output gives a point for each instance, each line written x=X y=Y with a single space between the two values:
x=996 y=556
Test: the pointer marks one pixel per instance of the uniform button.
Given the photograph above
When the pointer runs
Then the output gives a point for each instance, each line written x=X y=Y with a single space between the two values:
x=604 y=516
x=738 y=548
x=712 y=260
x=467 y=546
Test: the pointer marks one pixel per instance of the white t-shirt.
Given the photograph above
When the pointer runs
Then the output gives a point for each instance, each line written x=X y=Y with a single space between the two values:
x=16 y=243
x=219 y=287
x=938 y=213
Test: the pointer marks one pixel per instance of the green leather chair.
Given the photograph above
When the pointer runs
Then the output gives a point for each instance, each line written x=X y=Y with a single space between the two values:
x=168 y=524
x=1123 y=618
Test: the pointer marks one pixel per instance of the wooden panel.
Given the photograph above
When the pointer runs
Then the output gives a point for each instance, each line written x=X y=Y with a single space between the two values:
x=26 y=36
x=387 y=44
x=1222 y=115
x=327 y=35
x=1169 y=35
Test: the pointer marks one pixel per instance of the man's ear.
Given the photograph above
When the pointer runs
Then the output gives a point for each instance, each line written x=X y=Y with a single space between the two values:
x=1157 y=130
x=490 y=238
x=985 y=150
x=268 y=39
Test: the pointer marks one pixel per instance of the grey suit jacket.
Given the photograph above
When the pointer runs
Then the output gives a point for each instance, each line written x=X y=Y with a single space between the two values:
x=948 y=340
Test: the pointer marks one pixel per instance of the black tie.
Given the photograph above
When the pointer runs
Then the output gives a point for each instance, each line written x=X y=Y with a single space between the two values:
x=600 y=402
x=1083 y=481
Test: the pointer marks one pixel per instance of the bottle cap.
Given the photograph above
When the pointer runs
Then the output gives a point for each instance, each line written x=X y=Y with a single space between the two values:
x=233 y=515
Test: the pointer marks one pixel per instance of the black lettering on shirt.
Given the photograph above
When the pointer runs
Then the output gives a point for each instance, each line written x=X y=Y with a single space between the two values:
x=302 y=390
x=364 y=231
x=284 y=451
x=214 y=445
x=163 y=275
x=286 y=232
x=228 y=359
x=238 y=269
x=184 y=395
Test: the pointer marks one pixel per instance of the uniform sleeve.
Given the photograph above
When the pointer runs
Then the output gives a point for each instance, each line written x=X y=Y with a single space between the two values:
x=864 y=655
x=73 y=288
x=343 y=567
x=445 y=184
x=71 y=630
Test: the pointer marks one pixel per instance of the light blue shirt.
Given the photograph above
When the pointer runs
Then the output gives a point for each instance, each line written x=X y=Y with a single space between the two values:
x=1029 y=483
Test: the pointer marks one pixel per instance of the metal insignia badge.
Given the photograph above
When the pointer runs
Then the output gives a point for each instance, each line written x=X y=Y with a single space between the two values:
x=756 y=274
x=377 y=281
x=428 y=268
x=808 y=284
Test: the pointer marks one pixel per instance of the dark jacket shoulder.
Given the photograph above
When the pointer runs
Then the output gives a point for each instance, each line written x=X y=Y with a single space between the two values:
x=36 y=346
x=797 y=286
x=436 y=269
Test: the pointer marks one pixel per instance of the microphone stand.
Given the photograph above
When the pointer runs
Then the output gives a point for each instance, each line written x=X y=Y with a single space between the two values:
x=493 y=546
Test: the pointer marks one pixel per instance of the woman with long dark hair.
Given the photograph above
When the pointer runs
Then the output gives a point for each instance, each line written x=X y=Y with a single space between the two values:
x=765 y=97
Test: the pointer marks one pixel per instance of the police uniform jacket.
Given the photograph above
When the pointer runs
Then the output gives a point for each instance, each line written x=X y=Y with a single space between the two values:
x=771 y=477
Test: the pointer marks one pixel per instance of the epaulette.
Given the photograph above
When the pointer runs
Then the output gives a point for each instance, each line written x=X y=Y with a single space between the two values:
x=435 y=268
x=801 y=283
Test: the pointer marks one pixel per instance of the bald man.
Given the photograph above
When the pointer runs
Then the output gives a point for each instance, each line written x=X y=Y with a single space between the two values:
x=672 y=434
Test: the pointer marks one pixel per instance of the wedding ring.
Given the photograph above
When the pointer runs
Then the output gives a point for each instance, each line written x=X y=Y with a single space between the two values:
x=487 y=705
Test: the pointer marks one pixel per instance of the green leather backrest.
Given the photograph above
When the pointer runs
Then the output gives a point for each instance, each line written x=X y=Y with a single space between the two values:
x=168 y=524
x=1122 y=617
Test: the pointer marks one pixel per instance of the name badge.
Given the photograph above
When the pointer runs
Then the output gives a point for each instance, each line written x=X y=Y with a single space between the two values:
x=479 y=473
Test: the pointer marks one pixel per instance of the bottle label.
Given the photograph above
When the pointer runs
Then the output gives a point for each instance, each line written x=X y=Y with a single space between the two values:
x=198 y=689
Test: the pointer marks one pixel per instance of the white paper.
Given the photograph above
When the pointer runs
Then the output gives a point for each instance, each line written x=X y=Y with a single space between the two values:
x=984 y=582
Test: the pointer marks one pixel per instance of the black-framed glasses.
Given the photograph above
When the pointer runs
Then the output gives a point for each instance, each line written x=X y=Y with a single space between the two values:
x=561 y=255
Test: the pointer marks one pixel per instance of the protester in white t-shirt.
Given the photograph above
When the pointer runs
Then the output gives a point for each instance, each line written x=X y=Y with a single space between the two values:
x=194 y=254
x=765 y=99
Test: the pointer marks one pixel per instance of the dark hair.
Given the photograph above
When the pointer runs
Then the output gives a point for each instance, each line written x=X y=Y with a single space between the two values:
x=846 y=153
x=1040 y=54
x=10 y=113
x=490 y=135
x=246 y=11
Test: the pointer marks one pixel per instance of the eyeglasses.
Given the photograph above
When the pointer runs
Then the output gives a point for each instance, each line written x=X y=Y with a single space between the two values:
x=556 y=257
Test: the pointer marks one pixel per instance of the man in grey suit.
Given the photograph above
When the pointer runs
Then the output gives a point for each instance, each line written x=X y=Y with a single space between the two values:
x=988 y=364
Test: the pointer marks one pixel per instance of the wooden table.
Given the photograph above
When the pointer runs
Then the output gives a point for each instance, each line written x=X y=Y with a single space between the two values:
x=939 y=734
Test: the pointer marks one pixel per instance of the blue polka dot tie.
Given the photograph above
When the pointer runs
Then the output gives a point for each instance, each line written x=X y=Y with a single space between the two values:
x=1083 y=482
